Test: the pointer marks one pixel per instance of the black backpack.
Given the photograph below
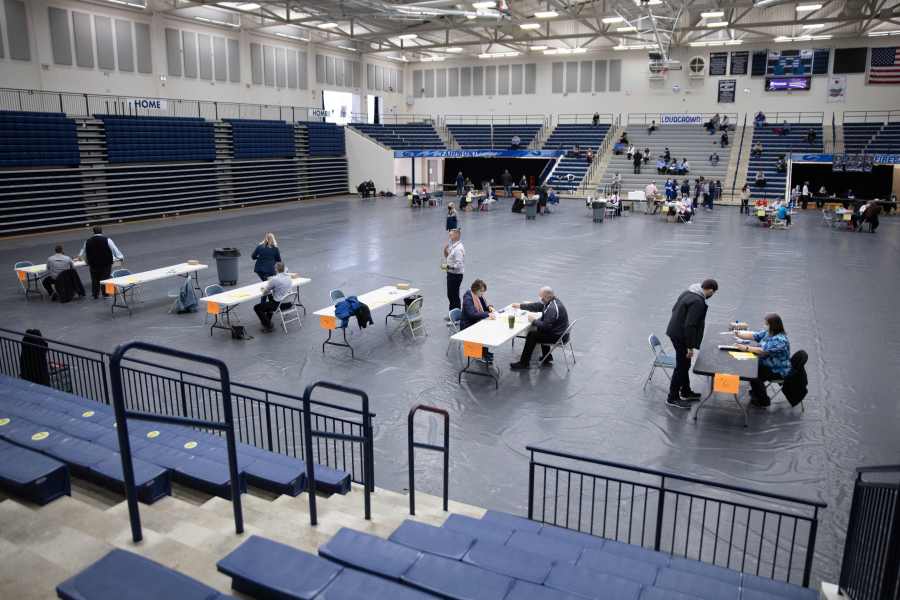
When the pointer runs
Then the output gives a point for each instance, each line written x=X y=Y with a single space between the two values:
x=795 y=384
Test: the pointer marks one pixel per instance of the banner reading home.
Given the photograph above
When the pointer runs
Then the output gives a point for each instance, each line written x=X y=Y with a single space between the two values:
x=148 y=104
x=680 y=119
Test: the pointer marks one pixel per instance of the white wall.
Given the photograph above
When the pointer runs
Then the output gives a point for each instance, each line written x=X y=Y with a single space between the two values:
x=638 y=94
x=367 y=160
x=41 y=73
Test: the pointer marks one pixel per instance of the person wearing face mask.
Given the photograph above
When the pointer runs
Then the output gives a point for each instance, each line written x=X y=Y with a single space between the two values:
x=685 y=330
x=774 y=352
x=475 y=308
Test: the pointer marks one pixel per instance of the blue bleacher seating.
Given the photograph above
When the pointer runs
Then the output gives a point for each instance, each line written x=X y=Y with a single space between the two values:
x=369 y=553
x=478 y=529
x=434 y=540
x=81 y=434
x=509 y=561
x=565 y=137
x=121 y=574
x=403 y=136
x=585 y=540
x=157 y=139
x=577 y=580
x=325 y=139
x=262 y=139
x=456 y=580
x=614 y=564
x=511 y=521
x=775 y=145
x=556 y=550
x=522 y=590
x=496 y=137
x=353 y=585
x=32 y=475
x=697 y=585
x=31 y=139
x=885 y=141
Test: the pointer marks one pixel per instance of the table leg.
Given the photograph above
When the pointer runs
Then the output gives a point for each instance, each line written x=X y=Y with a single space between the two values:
x=120 y=291
x=196 y=277
x=492 y=372
x=392 y=315
x=705 y=398
x=225 y=323
x=345 y=344
x=743 y=409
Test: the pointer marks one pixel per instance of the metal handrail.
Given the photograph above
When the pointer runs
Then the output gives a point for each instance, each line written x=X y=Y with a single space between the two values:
x=365 y=439
x=870 y=116
x=605 y=118
x=122 y=416
x=492 y=119
x=740 y=153
x=809 y=118
x=563 y=504
x=646 y=118
x=598 y=157
x=412 y=445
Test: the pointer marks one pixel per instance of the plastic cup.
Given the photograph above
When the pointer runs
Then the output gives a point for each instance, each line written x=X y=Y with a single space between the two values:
x=512 y=321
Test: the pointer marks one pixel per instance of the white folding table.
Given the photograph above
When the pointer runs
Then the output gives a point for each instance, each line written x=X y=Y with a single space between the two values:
x=119 y=286
x=490 y=333
x=220 y=305
x=30 y=276
x=383 y=296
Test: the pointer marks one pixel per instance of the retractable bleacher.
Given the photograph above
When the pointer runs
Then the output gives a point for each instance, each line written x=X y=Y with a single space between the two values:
x=490 y=137
x=156 y=139
x=33 y=139
x=858 y=135
x=262 y=139
x=402 y=136
x=534 y=562
x=886 y=140
x=32 y=475
x=774 y=146
x=81 y=434
x=565 y=137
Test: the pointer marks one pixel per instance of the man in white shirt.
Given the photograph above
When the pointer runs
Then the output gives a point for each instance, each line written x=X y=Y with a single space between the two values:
x=56 y=265
x=276 y=290
x=804 y=195
x=454 y=261
x=650 y=195
x=99 y=252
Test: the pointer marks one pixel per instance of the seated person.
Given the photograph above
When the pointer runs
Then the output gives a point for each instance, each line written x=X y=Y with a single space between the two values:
x=714 y=159
x=523 y=184
x=661 y=166
x=415 y=199
x=452 y=220
x=276 y=290
x=685 y=166
x=723 y=140
x=667 y=156
x=623 y=139
x=631 y=151
x=757 y=149
x=589 y=155
x=760 y=180
x=651 y=128
x=552 y=198
x=616 y=203
x=723 y=124
x=619 y=149
x=57 y=264
x=684 y=209
x=870 y=213
x=760 y=119
x=781 y=165
x=545 y=329
x=515 y=143
x=424 y=196
x=774 y=352
x=466 y=201
x=713 y=124
x=783 y=129
x=674 y=167
x=475 y=308
x=646 y=155
x=810 y=136
x=783 y=213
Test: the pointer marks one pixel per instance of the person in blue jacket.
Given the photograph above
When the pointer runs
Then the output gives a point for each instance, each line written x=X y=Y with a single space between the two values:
x=475 y=308
x=266 y=255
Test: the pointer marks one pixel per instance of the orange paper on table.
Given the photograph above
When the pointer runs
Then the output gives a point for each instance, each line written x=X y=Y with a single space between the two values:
x=326 y=322
x=213 y=308
x=726 y=383
x=22 y=275
x=473 y=350
x=110 y=288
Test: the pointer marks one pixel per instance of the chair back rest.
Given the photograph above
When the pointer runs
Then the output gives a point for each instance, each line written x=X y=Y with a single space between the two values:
x=213 y=289
x=23 y=263
x=414 y=309
x=455 y=316
x=799 y=359
x=568 y=332
x=655 y=344
x=336 y=296
x=120 y=273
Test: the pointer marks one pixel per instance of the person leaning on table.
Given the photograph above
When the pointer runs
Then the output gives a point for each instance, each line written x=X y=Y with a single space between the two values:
x=276 y=289
x=774 y=352
x=266 y=256
x=545 y=330
x=685 y=330
x=99 y=252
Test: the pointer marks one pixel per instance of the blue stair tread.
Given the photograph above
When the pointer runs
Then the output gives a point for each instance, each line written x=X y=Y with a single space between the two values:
x=621 y=566
x=263 y=568
x=553 y=549
x=21 y=465
x=77 y=452
x=121 y=574
x=706 y=570
x=522 y=590
x=431 y=539
x=353 y=585
x=478 y=528
x=655 y=593
x=592 y=585
x=509 y=561
x=456 y=580
x=776 y=588
x=262 y=472
x=512 y=521
x=637 y=552
x=696 y=585
x=144 y=472
x=369 y=553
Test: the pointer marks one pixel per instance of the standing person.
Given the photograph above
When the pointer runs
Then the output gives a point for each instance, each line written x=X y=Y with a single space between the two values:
x=506 y=179
x=595 y=120
x=804 y=195
x=870 y=215
x=745 y=199
x=278 y=288
x=637 y=161
x=686 y=189
x=545 y=330
x=685 y=330
x=454 y=263
x=266 y=256
x=617 y=183
x=523 y=184
x=99 y=252
x=460 y=183
x=452 y=222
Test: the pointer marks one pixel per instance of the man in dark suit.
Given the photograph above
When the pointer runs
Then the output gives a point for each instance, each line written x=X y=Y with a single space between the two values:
x=99 y=252
x=546 y=329
x=685 y=329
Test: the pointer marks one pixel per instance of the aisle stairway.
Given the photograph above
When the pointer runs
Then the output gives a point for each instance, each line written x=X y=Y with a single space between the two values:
x=774 y=146
x=685 y=141
x=565 y=137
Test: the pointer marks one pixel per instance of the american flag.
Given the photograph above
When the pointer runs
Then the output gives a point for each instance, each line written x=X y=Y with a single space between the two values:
x=885 y=65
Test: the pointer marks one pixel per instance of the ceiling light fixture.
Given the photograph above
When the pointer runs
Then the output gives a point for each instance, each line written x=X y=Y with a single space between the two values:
x=498 y=54
x=529 y=26
x=433 y=58
x=546 y=14
x=713 y=14
x=537 y=48
x=717 y=24
x=240 y=5
x=814 y=26
x=482 y=5
x=131 y=4
x=471 y=16
x=397 y=58
x=290 y=37
x=626 y=29
x=408 y=36
x=329 y=25
x=553 y=51
x=348 y=48
x=216 y=22
x=646 y=3
x=579 y=50
x=808 y=7
x=883 y=33
x=453 y=49
x=611 y=20
x=716 y=43
x=635 y=47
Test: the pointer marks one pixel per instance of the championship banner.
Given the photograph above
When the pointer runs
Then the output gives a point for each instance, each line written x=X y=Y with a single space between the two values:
x=837 y=89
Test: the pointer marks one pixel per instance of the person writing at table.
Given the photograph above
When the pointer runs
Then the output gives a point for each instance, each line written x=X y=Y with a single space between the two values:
x=475 y=308
x=774 y=352
x=546 y=329
x=276 y=290
x=266 y=256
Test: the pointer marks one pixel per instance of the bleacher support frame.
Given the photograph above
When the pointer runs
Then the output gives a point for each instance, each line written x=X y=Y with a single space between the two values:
x=411 y=449
x=123 y=414
x=870 y=569
x=265 y=419
x=583 y=490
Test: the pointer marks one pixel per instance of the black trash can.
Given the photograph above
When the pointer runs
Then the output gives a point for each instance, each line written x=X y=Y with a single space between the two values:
x=227 y=265
x=599 y=210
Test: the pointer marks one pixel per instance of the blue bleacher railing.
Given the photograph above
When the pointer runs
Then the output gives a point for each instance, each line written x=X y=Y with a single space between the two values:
x=647 y=118
x=870 y=116
x=768 y=534
x=412 y=444
x=225 y=425
x=366 y=439
x=870 y=569
x=264 y=418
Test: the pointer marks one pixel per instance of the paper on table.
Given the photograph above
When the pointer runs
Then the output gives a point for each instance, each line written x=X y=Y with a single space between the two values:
x=742 y=355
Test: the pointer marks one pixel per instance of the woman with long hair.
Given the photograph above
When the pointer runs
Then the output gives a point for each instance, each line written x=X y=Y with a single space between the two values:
x=774 y=352
x=266 y=255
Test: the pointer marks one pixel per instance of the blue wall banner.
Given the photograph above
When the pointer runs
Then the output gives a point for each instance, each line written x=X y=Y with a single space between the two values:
x=477 y=153
x=878 y=159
